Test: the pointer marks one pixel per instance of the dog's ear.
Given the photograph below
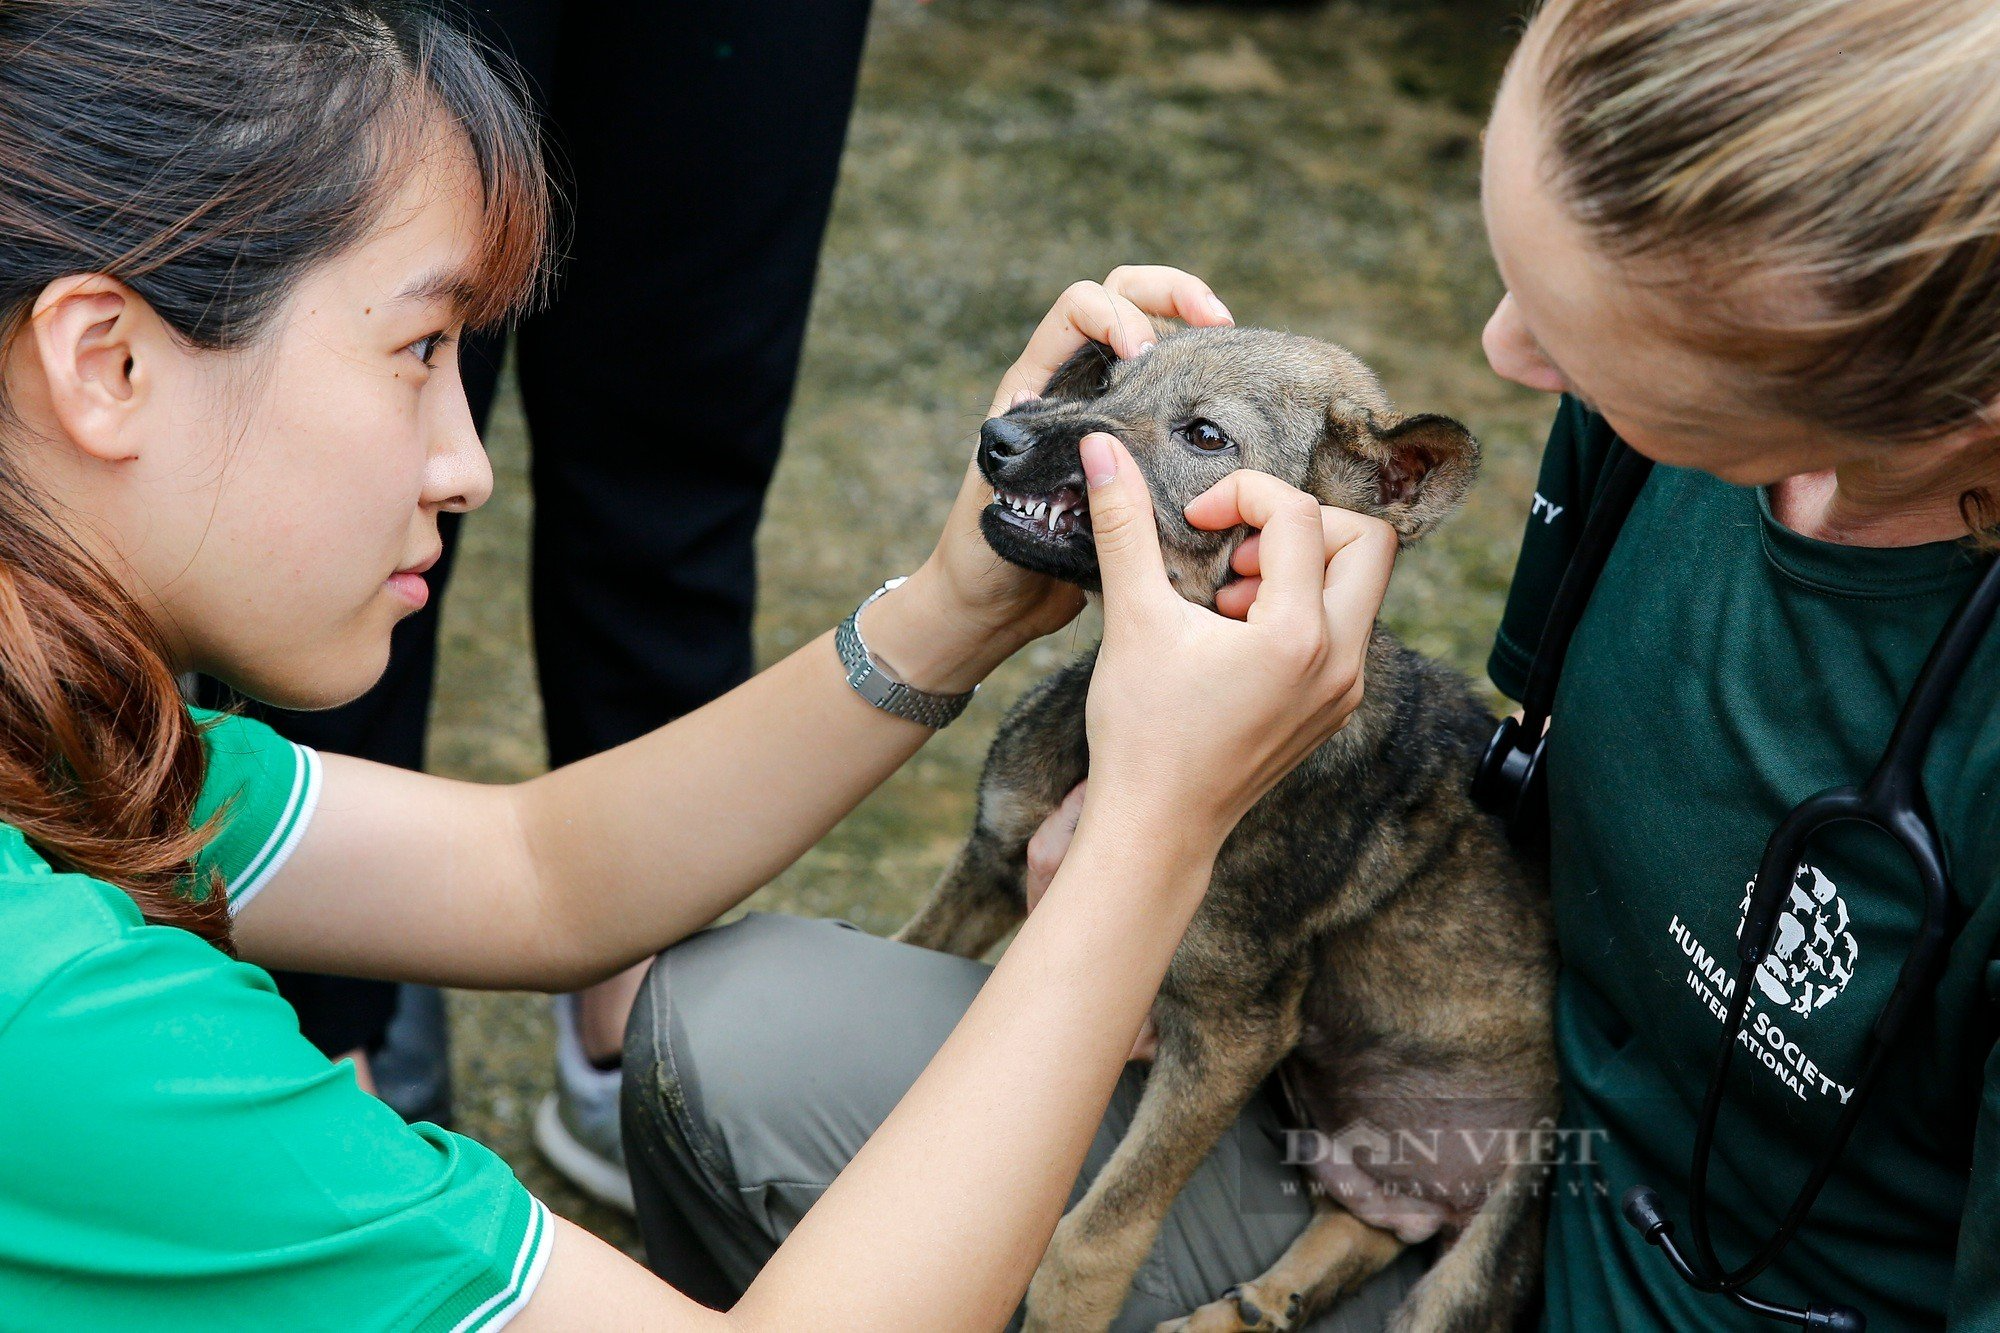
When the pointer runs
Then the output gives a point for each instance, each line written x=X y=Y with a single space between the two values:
x=1085 y=375
x=1414 y=471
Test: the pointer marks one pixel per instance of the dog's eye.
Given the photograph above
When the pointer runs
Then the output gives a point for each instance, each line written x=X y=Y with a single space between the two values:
x=1205 y=435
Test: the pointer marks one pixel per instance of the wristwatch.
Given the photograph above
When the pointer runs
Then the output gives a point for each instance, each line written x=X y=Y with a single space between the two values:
x=878 y=687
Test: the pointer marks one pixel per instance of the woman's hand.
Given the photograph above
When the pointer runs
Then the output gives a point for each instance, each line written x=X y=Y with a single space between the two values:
x=974 y=608
x=1194 y=716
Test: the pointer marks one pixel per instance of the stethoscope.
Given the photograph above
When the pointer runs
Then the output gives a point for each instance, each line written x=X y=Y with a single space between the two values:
x=1512 y=782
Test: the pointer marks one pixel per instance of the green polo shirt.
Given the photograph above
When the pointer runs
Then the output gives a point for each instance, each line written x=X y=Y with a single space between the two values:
x=1726 y=669
x=174 y=1155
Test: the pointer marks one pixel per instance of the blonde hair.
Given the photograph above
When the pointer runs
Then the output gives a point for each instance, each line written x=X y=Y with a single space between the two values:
x=1843 y=153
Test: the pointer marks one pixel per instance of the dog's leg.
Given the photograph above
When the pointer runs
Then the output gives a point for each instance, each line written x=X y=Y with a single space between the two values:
x=1335 y=1254
x=977 y=900
x=1208 y=1066
x=1491 y=1272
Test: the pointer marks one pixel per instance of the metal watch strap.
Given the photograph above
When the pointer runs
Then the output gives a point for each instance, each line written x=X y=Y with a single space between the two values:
x=878 y=687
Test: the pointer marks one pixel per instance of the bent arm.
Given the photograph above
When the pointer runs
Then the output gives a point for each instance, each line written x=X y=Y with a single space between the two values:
x=561 y=881
x=941 y=1218
x=945 y=1212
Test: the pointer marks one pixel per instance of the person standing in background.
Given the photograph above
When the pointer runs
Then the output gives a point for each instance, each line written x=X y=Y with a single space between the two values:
x=701 y=143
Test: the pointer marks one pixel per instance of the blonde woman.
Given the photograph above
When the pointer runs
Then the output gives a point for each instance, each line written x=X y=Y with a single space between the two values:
x=1759 y=241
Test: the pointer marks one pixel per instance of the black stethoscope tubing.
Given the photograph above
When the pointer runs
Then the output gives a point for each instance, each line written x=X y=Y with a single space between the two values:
x=1512 y=783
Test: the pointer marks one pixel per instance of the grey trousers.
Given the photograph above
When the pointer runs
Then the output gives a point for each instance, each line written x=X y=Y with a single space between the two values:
x=763 y=1053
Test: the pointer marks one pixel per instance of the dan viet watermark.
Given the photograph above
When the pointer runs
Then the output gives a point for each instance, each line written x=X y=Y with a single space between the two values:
x=1363 y=1143
x=1409 y=1175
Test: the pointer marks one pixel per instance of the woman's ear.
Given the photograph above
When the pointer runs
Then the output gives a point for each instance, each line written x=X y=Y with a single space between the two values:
x=95 y=342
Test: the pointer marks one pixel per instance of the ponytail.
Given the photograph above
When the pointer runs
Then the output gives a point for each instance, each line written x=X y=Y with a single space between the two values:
x=100 y=761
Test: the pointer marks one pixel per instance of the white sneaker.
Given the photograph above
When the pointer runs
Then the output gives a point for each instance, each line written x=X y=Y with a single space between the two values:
x=576 y=1126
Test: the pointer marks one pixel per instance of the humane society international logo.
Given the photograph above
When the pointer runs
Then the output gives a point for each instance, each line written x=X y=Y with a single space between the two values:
x=1813 y=953
x=1813 y=956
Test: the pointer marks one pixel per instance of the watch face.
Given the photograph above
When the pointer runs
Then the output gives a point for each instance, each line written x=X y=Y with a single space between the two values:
x=872 y=683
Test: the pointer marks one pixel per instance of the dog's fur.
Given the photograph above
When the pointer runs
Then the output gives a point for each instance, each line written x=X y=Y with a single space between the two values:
x=1367 y=933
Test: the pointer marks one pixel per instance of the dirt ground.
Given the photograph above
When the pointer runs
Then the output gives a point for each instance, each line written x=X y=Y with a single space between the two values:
x=1318 y=167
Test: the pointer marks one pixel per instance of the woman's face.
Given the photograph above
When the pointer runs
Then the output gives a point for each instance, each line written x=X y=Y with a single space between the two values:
x=1571 y=322
x=274 y=508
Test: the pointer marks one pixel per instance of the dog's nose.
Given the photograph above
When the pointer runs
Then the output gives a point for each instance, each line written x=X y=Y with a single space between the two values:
x=1001 y=439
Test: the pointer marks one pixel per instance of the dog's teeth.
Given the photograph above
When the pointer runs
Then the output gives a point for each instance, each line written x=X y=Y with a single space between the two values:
x=1054 y=514
x=996 y=497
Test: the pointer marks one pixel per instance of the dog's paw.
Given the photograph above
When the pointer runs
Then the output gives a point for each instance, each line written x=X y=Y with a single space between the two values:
x=1240 y=1310
x=1079 y=1288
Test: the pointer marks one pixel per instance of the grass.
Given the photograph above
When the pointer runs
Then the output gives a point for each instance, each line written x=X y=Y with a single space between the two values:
x=1320 y=168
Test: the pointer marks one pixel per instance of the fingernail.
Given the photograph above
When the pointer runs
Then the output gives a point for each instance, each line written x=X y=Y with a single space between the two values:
x=1020 y=396
x=1215 y=303
x=1146 y=347
x=1100 y=460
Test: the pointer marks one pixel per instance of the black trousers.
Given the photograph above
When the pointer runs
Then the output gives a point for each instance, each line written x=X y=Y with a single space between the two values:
x=699 y=141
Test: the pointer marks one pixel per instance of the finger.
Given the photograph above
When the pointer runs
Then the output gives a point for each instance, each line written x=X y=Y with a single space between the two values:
x=1361 y=555
x=1060 y=826
x=1292 y=563
x=1244 y=559
x=1218 y=508
x=1130 y=332
x=1145 y=1046
x=1121 y=520
x=1085 y=312
x=1095 y=313
x=1161 y=290
x=1291 y=548
x=1243 y=497
x=1235 y=599
x=1054 y=340
x=1050 y=844
x=1042 y=867
x=1113 y=312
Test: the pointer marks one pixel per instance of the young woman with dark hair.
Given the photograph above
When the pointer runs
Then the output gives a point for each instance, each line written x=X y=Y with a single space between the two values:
x=238 y=239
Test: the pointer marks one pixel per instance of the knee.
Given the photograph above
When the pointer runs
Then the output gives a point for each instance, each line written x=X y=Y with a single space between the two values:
x=729 y=1020
x=769 y=1048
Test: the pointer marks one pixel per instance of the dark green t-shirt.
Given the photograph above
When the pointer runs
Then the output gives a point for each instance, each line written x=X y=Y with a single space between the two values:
x=1728 y=668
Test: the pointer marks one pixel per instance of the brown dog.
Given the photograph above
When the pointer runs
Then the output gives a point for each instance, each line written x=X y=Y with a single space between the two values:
x=1367 y=934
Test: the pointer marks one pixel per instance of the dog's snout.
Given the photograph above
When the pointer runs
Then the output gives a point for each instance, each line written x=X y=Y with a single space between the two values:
x=1001 y=439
